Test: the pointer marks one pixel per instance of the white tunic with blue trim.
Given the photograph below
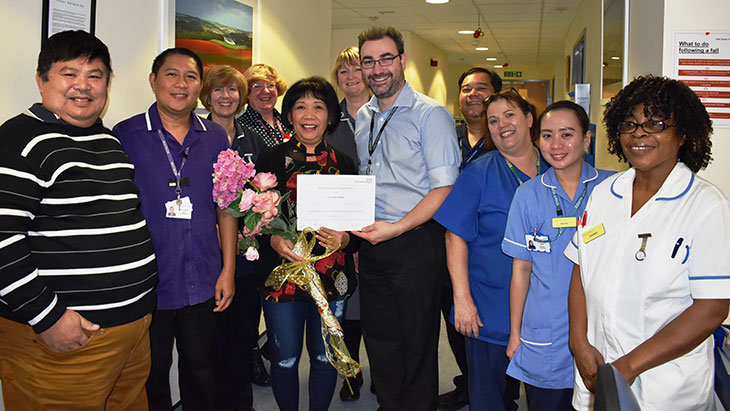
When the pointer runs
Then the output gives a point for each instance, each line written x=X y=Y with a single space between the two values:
x=628 y=301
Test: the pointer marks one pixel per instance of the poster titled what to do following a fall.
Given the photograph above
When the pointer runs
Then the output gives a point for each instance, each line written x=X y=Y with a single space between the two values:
x=702 y=61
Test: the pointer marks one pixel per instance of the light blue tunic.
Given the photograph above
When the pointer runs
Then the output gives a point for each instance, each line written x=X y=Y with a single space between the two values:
x=543 y=358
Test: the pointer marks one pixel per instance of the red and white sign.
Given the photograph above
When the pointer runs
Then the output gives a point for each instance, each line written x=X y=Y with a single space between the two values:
x=702 y=61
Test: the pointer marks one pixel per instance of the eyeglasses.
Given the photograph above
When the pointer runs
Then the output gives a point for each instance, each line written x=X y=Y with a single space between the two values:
x=383 y=62
x=651 y=126
x=263 y=86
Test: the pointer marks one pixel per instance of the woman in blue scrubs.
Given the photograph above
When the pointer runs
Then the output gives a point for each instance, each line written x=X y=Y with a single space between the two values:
x=542 y=220
x=475 y=213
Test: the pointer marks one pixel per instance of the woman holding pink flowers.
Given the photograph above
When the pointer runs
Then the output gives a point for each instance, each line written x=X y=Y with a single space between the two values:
x=310 y=107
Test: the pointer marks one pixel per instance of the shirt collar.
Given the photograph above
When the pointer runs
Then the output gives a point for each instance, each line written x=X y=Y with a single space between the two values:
x=677 y=184
x=43 y=114
x=587 y=173
x=152 y=118
x=406 y=98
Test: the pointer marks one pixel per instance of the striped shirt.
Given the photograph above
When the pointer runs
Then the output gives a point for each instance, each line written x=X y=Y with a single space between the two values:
x=71 y=232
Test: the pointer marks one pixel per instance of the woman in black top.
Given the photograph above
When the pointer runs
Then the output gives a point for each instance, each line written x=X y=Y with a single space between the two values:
x=310 y=108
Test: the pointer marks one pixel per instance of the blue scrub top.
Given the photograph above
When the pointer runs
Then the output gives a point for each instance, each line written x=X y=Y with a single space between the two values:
x=543 y=358
x=476 y=210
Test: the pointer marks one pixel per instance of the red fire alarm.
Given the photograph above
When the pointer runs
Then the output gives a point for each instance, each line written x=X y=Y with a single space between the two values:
x=434 y=63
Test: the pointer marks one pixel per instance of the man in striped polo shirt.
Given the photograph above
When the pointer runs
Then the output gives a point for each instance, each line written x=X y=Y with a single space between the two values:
x=77 y=267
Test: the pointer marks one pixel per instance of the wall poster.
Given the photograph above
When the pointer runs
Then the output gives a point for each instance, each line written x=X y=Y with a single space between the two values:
x=702 y=61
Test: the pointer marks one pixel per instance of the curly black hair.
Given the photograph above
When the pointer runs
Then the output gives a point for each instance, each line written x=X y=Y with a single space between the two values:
x=669 y=99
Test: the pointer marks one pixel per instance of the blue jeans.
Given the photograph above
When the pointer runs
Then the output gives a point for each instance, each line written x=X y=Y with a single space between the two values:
x=285 y=325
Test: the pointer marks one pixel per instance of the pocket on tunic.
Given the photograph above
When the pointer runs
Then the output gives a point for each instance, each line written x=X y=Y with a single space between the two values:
x=535 y=354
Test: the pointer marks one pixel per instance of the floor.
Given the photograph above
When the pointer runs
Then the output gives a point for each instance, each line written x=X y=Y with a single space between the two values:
x=264 y=399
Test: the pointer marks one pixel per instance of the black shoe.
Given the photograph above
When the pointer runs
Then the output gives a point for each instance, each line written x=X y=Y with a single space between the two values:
x=453 y=400
x=259 y=375
x=355 y=383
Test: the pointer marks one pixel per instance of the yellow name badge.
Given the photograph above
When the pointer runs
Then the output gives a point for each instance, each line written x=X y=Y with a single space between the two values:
x=593 y=233
x=564 y=222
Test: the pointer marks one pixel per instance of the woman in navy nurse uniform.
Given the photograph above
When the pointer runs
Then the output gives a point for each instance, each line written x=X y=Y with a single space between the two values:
x=475 y=213
x=652 y=275
x=544 y=213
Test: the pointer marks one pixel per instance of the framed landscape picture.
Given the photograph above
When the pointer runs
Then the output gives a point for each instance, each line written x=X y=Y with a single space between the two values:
x=219 y=31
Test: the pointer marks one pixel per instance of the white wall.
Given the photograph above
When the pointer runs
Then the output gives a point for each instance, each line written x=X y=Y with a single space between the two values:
x=704 y=15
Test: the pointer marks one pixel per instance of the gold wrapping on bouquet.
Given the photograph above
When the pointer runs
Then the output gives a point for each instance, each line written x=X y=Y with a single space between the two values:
x=303 y=274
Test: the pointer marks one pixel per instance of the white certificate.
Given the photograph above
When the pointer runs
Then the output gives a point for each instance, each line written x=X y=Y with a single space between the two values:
x=339 y=202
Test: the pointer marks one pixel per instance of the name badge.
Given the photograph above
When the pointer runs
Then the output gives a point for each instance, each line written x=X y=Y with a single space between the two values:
x=181 y=209
x=565 y=222
x=593 y=233
x=539 y=243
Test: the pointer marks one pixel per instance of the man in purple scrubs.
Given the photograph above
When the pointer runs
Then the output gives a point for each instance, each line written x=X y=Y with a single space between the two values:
x=173 y=151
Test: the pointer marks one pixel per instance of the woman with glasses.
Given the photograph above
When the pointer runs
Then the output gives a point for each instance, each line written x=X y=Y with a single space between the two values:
x=264 y=88
x=651 y=279
x=541 y=222
x=475 y=214
x=262 y=119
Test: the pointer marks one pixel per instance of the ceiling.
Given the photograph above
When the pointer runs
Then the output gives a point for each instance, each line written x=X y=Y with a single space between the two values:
x=519 y=32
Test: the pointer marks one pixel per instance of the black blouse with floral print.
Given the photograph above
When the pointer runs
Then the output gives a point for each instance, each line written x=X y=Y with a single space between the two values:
x=286 y=161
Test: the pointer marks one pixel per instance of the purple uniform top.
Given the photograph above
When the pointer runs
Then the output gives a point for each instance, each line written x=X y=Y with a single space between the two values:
x=188 y=251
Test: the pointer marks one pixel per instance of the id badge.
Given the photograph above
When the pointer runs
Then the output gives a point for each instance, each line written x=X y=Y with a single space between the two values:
x=538 y=243
x=181 y=209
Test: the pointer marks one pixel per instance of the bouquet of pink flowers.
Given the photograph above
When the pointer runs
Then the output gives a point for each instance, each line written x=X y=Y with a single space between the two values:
x=242 y=192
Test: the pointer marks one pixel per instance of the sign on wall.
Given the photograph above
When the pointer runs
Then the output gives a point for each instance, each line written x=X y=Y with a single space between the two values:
x=702 y=61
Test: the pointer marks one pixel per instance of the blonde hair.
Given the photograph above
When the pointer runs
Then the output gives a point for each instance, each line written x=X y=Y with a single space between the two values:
x=222 y=76
x=262 y=72
x=351 y=56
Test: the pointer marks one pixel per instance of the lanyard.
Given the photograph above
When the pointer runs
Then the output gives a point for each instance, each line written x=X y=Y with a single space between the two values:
x=474 y=153
x=175 y=171
x=512 y=168
x=559 y=210
x=266 y=127
x=373 y=144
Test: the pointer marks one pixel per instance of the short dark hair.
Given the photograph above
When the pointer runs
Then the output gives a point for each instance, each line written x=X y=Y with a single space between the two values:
x=379 y=32
x=514 y=98
x=671 y=100
x=318 y=88
x=162 y=57
x=567 y=105
x=70 y=45
x=494 y=77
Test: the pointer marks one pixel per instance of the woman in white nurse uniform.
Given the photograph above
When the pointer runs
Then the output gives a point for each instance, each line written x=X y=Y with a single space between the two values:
x=652 y=274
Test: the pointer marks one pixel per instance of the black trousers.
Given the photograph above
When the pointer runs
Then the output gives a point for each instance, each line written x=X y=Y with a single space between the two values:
x=192 y=328
x=232 y=360
x=400 y=288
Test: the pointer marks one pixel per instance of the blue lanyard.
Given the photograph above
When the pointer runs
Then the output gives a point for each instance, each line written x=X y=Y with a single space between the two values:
x=175 y=171
x=559 y=210
x=473 y=153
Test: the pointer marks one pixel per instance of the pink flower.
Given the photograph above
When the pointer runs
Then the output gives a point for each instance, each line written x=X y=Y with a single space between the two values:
x=246 y=200
x=256 y=230
x=252 y=254
x=247 y=170
x=265 y=204
x=264 y=181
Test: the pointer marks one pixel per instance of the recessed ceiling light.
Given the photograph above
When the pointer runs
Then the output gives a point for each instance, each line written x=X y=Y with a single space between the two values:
x=437 y=1
x=466 y=31
x=498 y=66
x=615 y=58
x=491 y=59
x=482 y=48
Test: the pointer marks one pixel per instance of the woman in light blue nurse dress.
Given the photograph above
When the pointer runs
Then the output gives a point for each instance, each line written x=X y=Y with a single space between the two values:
x=542 y=220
